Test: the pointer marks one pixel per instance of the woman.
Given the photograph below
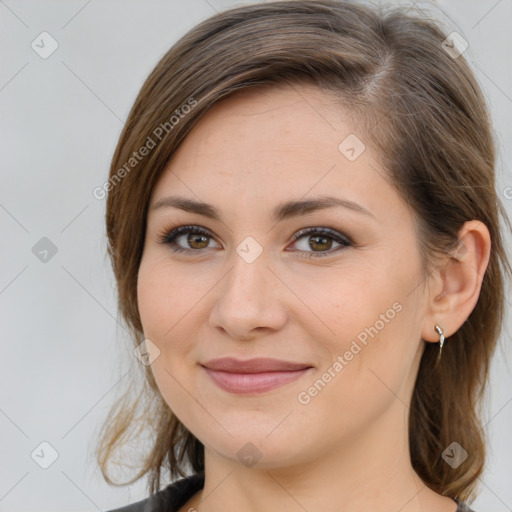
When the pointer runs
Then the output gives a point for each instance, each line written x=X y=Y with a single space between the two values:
x=300 y=214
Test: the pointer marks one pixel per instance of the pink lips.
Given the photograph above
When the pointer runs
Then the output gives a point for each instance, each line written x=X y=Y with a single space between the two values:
x=254 y=375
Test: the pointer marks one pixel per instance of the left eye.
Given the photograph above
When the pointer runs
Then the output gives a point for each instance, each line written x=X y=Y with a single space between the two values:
x=198 y=238
x=319 y=238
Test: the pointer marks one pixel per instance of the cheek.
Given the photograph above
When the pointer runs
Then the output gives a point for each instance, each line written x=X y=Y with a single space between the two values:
x=359 y=306
x=162 y=298
x=167 y=316
x=148 y=295
x=161 y=310
x=374 y=340
x=368 y=373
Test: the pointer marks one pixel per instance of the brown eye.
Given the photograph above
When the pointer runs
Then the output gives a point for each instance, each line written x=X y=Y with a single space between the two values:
x=320 y=241
x=196 y=239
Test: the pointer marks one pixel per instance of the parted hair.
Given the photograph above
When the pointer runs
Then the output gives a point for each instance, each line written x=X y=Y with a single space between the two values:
x=421 y=109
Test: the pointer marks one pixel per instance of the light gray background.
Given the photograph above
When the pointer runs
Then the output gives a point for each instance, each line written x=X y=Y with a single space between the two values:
x=64 y=358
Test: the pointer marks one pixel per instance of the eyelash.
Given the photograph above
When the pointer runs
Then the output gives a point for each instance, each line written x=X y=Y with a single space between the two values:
x=169 y=236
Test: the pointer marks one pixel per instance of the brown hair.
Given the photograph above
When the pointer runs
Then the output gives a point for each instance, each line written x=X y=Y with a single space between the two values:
x=422 y=111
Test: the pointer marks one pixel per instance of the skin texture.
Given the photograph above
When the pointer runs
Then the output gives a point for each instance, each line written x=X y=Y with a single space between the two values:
x=347 y=447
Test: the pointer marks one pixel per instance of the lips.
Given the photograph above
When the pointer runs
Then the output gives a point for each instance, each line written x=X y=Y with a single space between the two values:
x=254 y=375
x=258 y=365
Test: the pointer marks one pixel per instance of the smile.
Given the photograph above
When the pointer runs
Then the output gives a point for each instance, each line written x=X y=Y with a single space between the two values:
x=243 y=383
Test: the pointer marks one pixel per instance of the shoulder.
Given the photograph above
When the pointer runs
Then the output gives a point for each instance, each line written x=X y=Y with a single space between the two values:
x=169 y=499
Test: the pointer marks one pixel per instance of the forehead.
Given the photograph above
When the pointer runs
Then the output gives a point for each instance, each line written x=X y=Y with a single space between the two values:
x=266 y=123
x=271 y=145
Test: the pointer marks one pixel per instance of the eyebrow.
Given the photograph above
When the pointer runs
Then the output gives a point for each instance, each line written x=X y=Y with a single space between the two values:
x=279 y=213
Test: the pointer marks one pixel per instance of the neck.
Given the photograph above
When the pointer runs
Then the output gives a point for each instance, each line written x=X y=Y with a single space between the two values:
x=370 y=471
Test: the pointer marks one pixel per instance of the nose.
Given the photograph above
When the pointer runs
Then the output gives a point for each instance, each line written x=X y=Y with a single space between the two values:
x=249 y=300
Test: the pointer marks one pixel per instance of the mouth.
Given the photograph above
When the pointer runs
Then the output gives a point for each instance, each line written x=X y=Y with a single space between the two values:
x=254 y=375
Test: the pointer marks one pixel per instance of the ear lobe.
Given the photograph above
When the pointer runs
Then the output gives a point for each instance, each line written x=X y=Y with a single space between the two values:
x=461 y=274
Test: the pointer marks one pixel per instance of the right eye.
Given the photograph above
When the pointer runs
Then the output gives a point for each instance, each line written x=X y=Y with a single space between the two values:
x=196 y=235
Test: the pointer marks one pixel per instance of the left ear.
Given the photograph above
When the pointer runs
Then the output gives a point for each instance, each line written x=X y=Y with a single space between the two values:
x=457 y=282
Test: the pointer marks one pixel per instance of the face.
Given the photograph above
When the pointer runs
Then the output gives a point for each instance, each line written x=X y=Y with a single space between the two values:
x=336 y=290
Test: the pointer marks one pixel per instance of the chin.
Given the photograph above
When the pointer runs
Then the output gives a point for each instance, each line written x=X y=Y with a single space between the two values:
x=261 y=447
